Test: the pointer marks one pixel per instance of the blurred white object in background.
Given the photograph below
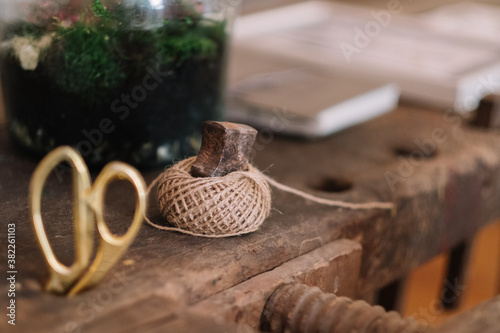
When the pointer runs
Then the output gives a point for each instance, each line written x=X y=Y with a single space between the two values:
x=431 y=68
x=475 y=22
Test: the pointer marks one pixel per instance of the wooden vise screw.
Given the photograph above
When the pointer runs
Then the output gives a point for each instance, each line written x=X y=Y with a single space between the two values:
x=225 y=148
x=298 y=308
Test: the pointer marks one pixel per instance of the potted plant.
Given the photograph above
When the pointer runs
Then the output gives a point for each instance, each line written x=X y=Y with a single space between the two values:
x=128 y=80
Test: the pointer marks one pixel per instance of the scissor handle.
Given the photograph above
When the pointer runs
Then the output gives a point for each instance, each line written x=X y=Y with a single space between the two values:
x=111 y=247
x=62 y=277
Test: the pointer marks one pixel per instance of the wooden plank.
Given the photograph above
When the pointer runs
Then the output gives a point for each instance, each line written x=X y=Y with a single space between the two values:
x=441 y=201
x=334 y=268
x=483 y=318
x=190 y=323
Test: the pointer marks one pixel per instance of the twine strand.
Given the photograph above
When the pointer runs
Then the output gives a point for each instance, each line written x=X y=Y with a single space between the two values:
x=233 y=205
x=328 y=202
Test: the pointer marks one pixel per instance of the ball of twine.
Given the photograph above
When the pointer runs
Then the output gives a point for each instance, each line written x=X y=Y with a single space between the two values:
x=235 y=204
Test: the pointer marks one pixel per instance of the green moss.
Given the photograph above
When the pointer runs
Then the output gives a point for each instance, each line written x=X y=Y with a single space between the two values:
x=136 y=49
x=82 y=60
x=99 y=9
x=180 y=40
x=95 y=56
x=181 y=48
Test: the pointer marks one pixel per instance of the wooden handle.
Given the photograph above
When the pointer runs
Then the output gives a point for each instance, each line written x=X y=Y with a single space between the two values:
x=225 y=148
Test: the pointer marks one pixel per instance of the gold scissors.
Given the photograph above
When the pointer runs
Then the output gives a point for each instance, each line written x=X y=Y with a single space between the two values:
x=88 y=204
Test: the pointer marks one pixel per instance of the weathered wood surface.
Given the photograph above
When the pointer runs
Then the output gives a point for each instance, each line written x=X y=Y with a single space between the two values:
x=189 y=322
x=487 y=114
x=441 y=201
x=483 y=318
x=333 y=268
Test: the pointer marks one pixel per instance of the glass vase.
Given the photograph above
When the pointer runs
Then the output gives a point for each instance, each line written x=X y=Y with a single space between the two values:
x=129 y=80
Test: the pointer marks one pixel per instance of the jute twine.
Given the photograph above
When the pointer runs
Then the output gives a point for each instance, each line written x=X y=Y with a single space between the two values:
x=233 y=205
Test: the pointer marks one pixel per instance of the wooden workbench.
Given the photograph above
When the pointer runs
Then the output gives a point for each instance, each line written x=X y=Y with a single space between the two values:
x=168 y=282
x=442 y=201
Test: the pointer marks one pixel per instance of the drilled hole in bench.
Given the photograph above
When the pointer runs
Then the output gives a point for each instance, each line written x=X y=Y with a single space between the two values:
x=416 y=152
x=331 y=184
